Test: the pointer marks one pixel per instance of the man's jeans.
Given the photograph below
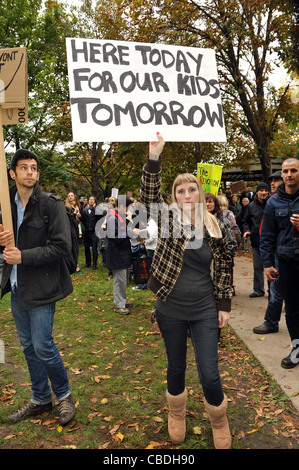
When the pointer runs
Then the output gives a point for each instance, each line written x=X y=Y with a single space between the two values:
x=273 y=312
x=44 y=362
x=204 y=335
x=289 y=273
x=258 y=272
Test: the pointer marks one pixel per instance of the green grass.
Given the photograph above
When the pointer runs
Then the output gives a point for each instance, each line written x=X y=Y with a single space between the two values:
x=117 y=370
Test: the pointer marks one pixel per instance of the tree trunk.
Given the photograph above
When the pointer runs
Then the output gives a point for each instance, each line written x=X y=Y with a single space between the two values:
x=265 y=157
x=95 y=157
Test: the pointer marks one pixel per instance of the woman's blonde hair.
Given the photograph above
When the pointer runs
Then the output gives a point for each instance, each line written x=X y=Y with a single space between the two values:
x=113 y=199
x=209 y=220
x=223 y=202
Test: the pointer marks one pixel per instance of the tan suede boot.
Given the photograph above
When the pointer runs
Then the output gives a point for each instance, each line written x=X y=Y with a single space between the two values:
x=177 y=416
x=220 y=427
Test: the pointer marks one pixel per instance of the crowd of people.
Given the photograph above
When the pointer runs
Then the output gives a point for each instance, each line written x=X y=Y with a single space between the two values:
x=187 y=262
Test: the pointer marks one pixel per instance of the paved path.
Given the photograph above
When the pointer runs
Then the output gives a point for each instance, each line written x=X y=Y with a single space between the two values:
x=269 y=349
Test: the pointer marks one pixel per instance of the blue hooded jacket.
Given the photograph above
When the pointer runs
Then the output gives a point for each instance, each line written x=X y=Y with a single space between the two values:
x=278 y=234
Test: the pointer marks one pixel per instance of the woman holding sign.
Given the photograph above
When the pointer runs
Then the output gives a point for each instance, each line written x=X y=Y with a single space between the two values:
x=188 y=299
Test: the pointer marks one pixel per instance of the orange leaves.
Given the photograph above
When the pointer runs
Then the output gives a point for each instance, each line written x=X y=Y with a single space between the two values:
x=7 y=392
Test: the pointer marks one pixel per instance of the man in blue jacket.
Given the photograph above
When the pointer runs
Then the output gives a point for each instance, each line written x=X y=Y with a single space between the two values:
x=280 y=235
x=36 y=274
x=275 y=301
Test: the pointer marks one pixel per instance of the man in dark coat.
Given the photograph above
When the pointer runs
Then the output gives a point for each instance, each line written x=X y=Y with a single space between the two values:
x=37 y=275
x=89 y=219
x=251 y=227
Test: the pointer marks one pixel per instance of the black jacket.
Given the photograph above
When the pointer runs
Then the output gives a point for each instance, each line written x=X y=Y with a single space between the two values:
x=89 y=220
x=43 y=276
x=118 y=245
x=252 y=220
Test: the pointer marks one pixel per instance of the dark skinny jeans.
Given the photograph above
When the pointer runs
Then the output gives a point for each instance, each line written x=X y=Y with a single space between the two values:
x=204 y=335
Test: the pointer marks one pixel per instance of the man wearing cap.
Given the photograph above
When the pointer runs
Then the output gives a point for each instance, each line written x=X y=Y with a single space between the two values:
x=251 y=227
x=37 y=276
x=118 y=252
x=273 y=312
x=280 y=236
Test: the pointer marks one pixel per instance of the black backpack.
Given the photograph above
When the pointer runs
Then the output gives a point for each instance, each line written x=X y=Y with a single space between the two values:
x=71 y=261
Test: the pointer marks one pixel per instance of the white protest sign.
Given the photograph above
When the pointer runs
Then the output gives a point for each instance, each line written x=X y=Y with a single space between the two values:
x=114 y=192
x=125 y=91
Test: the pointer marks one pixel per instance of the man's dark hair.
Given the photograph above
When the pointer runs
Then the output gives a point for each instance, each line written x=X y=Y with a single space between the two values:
x=22 y=154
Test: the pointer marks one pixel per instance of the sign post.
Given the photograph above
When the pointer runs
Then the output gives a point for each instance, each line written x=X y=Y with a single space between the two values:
x=13 y=110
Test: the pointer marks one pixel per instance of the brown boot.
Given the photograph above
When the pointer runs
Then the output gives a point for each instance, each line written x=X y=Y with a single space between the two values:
x=177 y=416
x=220 y=426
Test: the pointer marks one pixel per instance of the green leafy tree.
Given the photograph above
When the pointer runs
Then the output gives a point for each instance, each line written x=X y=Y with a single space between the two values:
x=250 y=37
x=41 y=28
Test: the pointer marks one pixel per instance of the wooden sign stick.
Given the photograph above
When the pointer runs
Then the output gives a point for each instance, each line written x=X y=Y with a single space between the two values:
x=4 y=189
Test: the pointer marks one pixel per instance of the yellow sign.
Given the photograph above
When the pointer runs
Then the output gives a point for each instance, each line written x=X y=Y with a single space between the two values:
x=209 y=176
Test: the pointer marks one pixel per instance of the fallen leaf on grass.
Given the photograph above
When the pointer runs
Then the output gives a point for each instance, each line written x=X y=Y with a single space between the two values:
x=153 y=444
x=264 y=387
x=92 y=416
x=107 y=418
x=158 y=419
x=117 y=438
x=135 y=425
x=49 y=421
x=197 y=430
x=105 y=445
x=77 y=371
x=98 y=377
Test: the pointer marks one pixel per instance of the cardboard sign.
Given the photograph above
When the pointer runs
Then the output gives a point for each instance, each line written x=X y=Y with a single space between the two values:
x=125 y=91
x=13 y=77
x=210 y=177
x=13 y=86
x=15 y=115
x=13 y=110
x=238 y=187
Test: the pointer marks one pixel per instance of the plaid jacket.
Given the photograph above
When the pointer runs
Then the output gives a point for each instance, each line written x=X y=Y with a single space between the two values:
x=168 y=258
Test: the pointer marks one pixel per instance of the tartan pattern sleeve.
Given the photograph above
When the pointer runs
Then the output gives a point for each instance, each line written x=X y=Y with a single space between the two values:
x=221 y=266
